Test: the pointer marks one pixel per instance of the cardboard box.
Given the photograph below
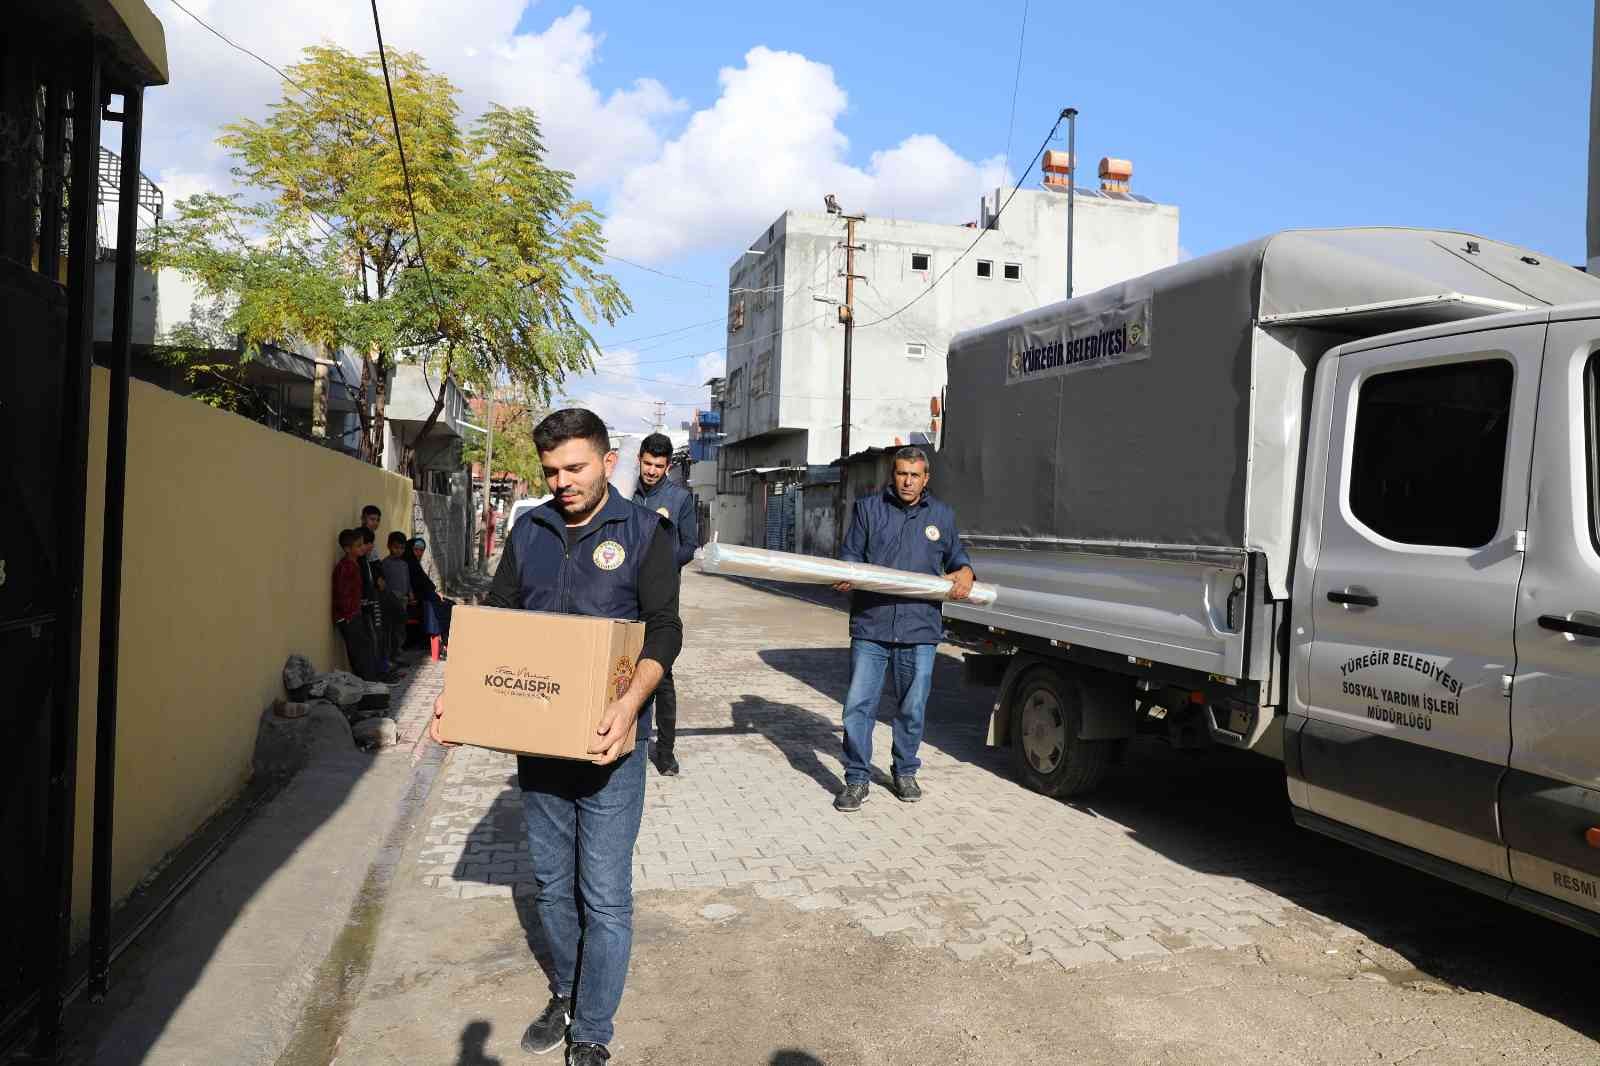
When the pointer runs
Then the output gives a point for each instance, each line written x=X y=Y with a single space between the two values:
x=532 y=683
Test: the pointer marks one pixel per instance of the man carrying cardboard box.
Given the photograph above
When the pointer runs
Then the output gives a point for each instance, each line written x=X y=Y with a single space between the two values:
x=589 y=551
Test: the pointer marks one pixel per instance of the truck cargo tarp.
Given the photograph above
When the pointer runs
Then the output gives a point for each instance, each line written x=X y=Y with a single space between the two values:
x=1163 y=410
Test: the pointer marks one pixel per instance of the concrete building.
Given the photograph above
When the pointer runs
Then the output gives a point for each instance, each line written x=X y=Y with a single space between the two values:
x=783 y=392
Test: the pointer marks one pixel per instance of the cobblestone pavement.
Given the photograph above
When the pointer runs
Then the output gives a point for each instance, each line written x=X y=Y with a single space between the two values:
x=980 y=866
x=415 y=708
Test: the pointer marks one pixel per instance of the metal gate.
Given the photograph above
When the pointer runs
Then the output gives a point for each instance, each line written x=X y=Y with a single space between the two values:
x=781 y=509
x=59 y=65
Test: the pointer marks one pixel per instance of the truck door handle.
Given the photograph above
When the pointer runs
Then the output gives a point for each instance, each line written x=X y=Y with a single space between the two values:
x=1568 y=625
x=1353 y=599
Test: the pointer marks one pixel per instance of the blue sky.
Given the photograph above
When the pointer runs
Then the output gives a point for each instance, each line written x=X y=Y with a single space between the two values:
x=695 y=128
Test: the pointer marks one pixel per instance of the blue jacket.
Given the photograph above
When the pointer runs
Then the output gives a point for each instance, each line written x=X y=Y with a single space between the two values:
x=675 y=503
x=921 y=538
x=599 y=577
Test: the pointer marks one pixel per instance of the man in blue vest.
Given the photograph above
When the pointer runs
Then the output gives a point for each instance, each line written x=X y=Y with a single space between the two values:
x=675 y=503
x=588 y=551
x=905 y=528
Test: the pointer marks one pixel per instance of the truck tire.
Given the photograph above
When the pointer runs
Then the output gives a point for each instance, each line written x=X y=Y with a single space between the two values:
x=1046 y=751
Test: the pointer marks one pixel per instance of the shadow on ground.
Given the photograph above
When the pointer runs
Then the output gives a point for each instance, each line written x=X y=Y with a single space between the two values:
x=1227 y=813
x=475 y=1045
x=305 y=770
x=957 y=717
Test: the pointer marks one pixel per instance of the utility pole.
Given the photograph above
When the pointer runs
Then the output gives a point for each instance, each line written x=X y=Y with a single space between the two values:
x=1071 y=115
x=1592 y=245
x=488 y=483
x=661 y=416
x=847 y=315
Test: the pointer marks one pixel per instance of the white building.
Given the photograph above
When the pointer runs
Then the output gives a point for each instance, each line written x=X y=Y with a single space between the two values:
x=785 y=355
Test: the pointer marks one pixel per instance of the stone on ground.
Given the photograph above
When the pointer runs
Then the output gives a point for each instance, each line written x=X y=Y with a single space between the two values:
x=298 y=674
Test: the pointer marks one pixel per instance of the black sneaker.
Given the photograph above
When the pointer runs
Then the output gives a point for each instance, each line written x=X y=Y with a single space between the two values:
x=666 y=762
x=587 y=1054
x=851 y=799
x=549 y=1030
x=907 y=789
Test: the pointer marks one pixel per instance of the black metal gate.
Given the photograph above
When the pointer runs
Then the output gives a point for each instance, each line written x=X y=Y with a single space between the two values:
x=46 y=280
x=51 y=102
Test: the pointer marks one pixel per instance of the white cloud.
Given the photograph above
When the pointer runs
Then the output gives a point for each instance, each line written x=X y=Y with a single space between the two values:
x=624 y=389
x=772 y=142
x=709 y=366
x=176 y=183
x=474 y=42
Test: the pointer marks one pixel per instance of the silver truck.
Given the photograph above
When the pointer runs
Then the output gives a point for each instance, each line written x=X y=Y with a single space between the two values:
x=1332 y=496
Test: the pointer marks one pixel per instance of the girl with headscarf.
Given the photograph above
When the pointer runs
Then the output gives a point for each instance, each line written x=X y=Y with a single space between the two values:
x=433 y=608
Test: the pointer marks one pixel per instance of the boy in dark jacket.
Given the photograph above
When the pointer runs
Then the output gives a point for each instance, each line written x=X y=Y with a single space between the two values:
x=347 y=614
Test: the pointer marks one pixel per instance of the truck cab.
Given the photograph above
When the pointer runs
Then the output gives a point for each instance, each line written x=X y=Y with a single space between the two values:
x=1445 y=694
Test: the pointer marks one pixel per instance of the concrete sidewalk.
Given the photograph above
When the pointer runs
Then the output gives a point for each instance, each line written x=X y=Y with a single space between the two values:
x=229 y=972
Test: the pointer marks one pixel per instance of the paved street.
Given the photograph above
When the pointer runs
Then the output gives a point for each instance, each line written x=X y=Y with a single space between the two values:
x=1175 y=917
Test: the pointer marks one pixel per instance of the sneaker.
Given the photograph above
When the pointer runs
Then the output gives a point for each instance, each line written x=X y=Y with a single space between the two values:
x=907 y=789
x=851 y=799
x=666 y=762
x=549 y=1030
x=587 y=1054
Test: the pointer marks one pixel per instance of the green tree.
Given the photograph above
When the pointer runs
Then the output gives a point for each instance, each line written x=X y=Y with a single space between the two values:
x=320 y=250
x=514 y=452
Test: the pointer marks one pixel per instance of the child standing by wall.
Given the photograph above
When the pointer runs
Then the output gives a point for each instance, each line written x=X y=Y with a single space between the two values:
x=396 y=592
x=347 y=614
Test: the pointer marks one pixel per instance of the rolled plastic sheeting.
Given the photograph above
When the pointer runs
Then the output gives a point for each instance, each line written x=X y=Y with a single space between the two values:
x=625 y=478
x=738 y=561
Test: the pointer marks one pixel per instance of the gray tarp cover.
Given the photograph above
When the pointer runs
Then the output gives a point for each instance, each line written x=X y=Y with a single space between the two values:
x=1154 y=450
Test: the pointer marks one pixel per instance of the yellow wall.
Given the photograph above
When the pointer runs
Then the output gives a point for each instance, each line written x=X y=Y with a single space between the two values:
x=230 y=540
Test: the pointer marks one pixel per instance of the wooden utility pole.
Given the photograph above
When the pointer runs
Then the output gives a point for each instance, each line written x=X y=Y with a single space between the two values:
x=488 y=483
x=847 y=315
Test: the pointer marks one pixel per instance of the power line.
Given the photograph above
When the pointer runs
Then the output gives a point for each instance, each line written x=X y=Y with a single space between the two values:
x=662 y=273
x=667 y=333
x=239 y=47
x=981 y=233
x=1016 y=83
x=741 y=344
x=405 y=169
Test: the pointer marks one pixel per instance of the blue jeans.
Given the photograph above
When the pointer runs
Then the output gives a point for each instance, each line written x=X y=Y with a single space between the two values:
x=582 y=823
x=910 y=667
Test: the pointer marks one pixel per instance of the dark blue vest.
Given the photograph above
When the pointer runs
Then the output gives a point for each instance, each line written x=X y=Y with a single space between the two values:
x=599 y=577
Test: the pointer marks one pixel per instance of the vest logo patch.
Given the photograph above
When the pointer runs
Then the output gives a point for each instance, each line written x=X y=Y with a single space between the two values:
x=932 y=532
x=609 y=555
x=663 y=512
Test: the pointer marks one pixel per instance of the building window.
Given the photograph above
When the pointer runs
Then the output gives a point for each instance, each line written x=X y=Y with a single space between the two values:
x=1428 y=463
x=920 y=260
x=769 y=284
x=736 y=387
x=1013 y=271
x=736 y=316
x=761 y=378
x=985 y=268
x=916 y=351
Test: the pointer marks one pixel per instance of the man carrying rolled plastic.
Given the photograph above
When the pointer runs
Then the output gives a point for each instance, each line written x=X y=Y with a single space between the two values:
x=905 y=528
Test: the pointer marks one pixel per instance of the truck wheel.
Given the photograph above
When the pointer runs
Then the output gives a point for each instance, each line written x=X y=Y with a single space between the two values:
x=1046 y=751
